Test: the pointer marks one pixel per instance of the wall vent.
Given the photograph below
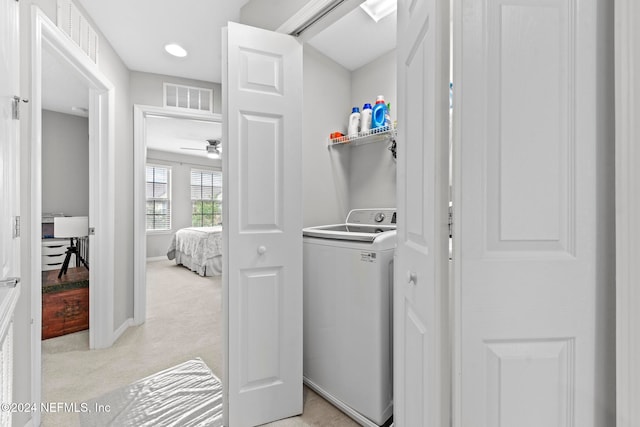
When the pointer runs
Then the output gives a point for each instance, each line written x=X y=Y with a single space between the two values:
x=76 y=26
x=188 y=97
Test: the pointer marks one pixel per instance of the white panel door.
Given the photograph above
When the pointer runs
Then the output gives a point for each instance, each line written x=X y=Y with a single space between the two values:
x=533 y=229
x=9 y=137
x=262 y=92
x=421 y=349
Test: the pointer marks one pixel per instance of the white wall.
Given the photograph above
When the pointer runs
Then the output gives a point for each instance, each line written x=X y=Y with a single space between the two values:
x=343 y=177
x=65 y=163
x=147 y=89
x=114 y=70
x=372 y=169
x=327 y=86
x=181 y=165
x=269 y=14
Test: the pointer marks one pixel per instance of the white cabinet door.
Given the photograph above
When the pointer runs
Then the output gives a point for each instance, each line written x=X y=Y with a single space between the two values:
x=421 y=340
x=534 y=223
x=262 y=276
x=9 y=138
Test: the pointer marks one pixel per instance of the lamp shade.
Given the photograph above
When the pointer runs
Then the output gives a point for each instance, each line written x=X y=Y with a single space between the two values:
x=70 y=226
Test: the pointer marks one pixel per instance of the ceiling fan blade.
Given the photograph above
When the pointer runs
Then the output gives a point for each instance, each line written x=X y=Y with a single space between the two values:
x=195 y=149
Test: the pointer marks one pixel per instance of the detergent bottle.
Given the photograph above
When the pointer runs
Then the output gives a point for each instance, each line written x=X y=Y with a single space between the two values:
x=365 y=118
x=354 y=122
x=379 y=113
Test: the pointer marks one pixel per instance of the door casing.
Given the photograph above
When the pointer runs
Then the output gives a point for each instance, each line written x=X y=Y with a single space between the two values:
x=140 y=114
x=46 y=35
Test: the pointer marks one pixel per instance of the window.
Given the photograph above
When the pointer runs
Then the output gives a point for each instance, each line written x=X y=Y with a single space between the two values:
x=158 y=197
x=206 y=198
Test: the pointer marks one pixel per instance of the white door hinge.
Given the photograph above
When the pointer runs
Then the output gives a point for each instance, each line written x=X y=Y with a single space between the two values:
x=16 y=227
x=9 y=282
x=15 y=106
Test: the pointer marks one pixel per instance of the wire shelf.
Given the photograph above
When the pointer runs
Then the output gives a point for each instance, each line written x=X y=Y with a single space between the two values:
x=384 y=133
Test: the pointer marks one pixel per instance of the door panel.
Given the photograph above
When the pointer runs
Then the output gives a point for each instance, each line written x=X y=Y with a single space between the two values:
x=9 y=138
x=527 y=215
x=262 y=278
x=421 y=351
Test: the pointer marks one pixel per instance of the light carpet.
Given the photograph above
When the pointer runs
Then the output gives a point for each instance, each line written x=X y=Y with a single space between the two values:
x=183 y=322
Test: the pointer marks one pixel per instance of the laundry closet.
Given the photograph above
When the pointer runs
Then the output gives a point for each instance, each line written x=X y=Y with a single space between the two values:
x=348 y=258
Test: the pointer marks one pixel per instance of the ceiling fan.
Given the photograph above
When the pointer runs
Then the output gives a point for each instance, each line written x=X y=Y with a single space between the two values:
x=213 y=148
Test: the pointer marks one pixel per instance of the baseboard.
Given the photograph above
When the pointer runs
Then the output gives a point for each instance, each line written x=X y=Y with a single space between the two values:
x=157 y=258
x=125 y=325
x=352 y=413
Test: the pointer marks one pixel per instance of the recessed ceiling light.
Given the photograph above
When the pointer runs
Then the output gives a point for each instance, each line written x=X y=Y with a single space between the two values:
x=378 y=9
x=175 y=50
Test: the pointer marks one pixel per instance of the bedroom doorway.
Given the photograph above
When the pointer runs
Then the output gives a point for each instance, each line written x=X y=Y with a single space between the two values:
x=48 y=39
x=170 y=160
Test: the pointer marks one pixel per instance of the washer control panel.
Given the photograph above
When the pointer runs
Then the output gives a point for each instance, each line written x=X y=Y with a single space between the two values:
x=372 y=216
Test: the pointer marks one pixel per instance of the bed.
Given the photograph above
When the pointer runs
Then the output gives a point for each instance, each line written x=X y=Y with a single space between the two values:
x=199 y=249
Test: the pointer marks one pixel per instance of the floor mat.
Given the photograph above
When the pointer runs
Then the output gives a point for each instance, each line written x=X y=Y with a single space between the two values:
x=185 y=395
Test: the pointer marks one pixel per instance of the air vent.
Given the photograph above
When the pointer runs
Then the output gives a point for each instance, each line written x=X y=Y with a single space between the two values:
x=76 y=26
x=188 y=97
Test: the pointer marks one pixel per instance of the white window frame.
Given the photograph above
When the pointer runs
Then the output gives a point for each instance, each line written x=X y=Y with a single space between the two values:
x=207 y=171
x=169 y=198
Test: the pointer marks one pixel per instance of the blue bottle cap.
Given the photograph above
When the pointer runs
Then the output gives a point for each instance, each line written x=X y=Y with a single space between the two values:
x=366 y=106
x=355 y=110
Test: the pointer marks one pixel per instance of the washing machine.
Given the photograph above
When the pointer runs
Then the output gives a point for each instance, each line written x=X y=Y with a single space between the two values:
x=348 y=276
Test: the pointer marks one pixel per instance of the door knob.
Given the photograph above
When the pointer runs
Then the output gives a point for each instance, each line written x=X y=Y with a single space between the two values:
x=412 y=277
x=262 y=250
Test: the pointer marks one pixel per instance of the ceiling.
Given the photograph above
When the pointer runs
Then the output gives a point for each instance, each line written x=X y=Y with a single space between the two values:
x=355 y=39
x=138 y=31
x=62 y=88
x=181 y=135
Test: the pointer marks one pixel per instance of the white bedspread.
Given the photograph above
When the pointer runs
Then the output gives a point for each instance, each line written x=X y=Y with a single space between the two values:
x=198 y=249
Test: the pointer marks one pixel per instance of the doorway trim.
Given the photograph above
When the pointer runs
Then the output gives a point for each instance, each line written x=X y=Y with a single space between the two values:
x=627 y=55
x=140 y=115
x=46 y=35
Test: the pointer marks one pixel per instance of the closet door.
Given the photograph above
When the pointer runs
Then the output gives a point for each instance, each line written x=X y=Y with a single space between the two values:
x=262 y=273
x=421 y=330
x=534 y=214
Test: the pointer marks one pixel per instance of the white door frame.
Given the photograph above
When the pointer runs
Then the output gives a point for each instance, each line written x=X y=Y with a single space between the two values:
x=46 y=35
x=627 y=213
x=140 y=115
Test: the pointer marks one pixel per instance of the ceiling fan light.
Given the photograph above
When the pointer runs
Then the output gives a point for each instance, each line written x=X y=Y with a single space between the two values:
x=175 y=50
x=214 y=149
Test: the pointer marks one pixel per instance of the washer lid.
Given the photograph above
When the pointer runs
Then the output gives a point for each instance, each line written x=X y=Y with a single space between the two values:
x=357 y=232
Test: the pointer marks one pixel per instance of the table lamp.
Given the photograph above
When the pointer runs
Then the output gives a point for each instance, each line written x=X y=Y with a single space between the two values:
x=71 y=227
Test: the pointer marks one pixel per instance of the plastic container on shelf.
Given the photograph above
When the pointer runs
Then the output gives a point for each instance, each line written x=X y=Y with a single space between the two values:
x=379 y=113
x=365 y=118
x=354 y=122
